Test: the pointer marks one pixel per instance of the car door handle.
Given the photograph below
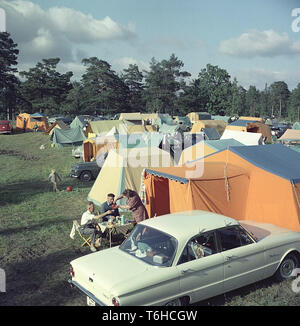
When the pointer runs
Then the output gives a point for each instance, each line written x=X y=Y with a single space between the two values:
x=184 y=271
x=230 y=257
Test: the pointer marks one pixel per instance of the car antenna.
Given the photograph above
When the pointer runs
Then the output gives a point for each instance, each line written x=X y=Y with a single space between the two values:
x=201 y=231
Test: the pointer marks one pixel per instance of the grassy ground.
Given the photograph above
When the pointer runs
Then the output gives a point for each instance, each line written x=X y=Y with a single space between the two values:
x=35 y=223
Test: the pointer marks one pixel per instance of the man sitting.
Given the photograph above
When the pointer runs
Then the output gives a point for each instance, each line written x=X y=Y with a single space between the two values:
x=90 y=227
x=109 y=206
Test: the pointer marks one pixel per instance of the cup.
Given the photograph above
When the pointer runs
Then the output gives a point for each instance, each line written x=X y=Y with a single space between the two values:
x=122 y=219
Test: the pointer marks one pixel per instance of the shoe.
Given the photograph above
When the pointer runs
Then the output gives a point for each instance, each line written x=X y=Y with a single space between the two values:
x=93 y=249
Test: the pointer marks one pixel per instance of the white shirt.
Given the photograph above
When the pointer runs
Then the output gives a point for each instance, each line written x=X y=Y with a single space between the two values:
x=86 y=217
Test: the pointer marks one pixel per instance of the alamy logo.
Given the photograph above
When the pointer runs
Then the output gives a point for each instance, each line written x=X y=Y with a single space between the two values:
x=2 y=20
x=2 y=280
x=296 y=22
x=296 y=282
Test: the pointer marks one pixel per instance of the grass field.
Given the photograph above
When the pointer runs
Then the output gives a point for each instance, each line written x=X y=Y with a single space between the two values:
x=35 y=223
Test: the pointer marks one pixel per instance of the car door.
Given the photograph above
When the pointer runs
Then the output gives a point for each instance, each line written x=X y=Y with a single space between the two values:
x=243 y=257
x=201 y=277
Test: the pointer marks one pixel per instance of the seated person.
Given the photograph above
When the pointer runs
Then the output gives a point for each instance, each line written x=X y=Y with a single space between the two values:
x=197 y=249
x=89 y=225
x=109 y=206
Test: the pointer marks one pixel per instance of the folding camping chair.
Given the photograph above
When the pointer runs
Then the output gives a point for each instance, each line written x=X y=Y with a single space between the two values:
x=86 y=241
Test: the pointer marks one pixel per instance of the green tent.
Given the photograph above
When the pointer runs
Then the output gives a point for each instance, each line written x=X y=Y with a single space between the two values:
x=78 y=121
x=296 y=125
x=103 y=126
x=72 y=136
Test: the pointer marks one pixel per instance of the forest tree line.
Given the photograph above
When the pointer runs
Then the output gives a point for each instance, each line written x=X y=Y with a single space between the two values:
x=165 y=88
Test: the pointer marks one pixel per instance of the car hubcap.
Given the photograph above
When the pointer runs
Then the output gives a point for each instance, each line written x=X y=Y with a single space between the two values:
x=287 y=267
x=174 y=303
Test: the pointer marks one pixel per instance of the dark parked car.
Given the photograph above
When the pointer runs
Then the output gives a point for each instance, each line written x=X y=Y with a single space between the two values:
x=5 y=127
x=86 y=171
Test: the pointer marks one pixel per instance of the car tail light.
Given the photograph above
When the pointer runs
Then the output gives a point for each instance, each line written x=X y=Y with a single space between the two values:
x=115 y=302
x=72 y=273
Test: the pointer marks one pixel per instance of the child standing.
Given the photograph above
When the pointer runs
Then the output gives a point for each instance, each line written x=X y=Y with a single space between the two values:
x=54 y=177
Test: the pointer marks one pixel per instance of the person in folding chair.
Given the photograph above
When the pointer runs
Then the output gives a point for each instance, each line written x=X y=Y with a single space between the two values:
x=89 y=226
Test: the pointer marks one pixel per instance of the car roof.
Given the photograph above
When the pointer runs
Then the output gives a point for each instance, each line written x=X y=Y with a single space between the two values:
x=189 y=223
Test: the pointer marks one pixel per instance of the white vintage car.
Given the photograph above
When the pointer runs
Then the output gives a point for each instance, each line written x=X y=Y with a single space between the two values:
x=182 y=258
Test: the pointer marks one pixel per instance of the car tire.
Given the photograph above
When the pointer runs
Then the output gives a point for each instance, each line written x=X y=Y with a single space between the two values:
x=285 y=269
x=178 y=302
x=86 y=176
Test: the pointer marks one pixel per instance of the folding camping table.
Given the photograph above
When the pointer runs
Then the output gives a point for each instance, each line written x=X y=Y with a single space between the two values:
x=115 y=228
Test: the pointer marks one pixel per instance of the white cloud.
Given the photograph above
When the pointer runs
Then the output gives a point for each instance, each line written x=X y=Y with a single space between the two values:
x=58 y=31
x=255 y=43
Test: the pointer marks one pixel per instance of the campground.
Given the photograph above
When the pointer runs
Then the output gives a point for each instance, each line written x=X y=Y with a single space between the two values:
x=35 y=223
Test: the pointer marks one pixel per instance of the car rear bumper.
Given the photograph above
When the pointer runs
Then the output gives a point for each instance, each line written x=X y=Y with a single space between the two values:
x=5 y=131
x=74 y=175
x=89 y=294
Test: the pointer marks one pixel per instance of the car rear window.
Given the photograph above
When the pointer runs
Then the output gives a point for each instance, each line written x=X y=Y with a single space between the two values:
x=4 y=123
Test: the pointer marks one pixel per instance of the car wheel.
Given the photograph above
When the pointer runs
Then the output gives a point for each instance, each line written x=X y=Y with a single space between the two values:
x=285 y=269
x=86 y=176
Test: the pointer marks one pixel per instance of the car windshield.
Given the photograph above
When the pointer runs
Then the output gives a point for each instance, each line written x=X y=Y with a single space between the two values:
x=150 y=245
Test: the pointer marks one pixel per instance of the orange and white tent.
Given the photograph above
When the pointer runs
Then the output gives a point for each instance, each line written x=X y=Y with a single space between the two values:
x=260 y=183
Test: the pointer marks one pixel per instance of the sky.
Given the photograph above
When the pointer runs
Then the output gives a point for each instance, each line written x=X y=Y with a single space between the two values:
x=257 y=42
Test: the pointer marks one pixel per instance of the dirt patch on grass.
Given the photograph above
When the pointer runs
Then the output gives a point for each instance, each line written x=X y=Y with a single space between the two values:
x=22 y=156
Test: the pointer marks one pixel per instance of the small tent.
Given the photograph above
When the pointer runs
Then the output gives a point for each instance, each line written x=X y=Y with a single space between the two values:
x=211 y=133
x=220 y=125
x=252 y=119
x=290 y=136
x=134 y=118
x=296 y=125
x=57 y=124
x=79 y=121
x=30 y=121
x=259 y=183
x=72 y=136
x=246 y=138
x=251 y=126
x=123 y=168
x=102 y=127
x=196 y=116
x=93 y=147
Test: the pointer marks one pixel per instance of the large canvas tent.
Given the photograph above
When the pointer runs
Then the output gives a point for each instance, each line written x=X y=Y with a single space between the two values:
x=123 y=169
x=260 y=183
x=72 y=136
x=31 y=121
x=246 y=138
